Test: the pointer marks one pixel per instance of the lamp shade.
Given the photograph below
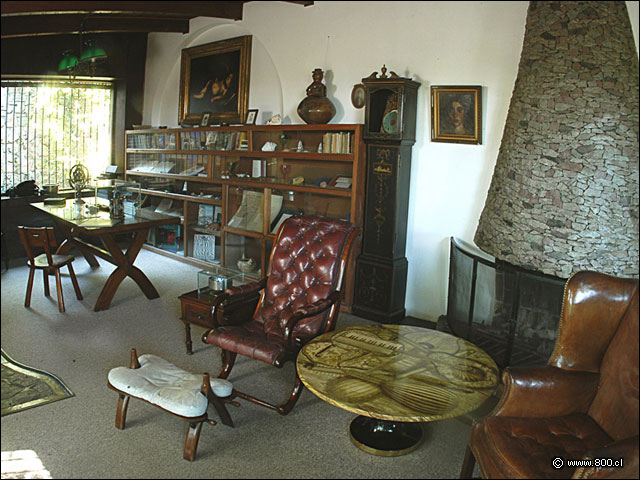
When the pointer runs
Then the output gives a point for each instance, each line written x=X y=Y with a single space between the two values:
x=68 y=62
x=92 y=52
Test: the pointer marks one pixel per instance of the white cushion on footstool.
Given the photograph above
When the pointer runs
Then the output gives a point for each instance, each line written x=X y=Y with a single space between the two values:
x=162 y=383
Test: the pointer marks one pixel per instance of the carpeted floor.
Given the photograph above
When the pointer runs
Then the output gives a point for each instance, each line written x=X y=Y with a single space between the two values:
x=77 y=438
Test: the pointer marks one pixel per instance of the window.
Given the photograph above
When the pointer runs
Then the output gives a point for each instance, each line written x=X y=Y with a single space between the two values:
x=51 y=124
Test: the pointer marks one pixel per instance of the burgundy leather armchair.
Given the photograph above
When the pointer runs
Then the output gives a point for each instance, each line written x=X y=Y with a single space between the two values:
x=582 y=405
x=299 y=300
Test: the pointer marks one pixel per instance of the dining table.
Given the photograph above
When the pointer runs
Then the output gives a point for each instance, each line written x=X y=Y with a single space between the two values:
x=83 y=220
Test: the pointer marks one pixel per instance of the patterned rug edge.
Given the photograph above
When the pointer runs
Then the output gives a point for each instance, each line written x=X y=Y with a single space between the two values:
x=59 y=390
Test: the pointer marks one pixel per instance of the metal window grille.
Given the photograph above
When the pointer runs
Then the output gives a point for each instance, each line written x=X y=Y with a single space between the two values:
x=48 y=126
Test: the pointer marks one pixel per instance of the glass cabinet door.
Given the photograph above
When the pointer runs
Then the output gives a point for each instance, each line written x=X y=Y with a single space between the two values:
x=294 y=202
x=245 y=208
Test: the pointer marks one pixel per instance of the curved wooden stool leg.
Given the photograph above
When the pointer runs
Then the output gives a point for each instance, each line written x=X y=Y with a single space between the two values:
x=191 y=443
x=121 y=411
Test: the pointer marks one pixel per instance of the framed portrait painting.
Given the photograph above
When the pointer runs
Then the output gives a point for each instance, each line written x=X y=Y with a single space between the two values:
x=215 y=78
x=456 y=114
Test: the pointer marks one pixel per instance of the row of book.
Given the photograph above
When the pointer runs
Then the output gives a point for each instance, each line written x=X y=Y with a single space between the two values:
x=165 y=141
x=338 y=142
x=215 y=140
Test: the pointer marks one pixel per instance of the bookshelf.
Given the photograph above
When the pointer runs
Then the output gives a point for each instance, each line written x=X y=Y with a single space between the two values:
x=233 y=186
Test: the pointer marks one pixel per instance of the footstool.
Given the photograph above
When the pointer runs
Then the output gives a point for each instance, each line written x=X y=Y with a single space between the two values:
x=180 y=393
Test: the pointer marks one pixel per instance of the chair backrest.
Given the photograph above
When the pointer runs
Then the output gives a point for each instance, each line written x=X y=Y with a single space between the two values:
x=598 y=333
x=35 y=239
x=615 y=406
x=307 y=264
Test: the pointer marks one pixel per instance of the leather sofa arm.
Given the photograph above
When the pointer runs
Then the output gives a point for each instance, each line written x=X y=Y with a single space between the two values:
x=545 y=391
x=310 y=311
x=625 y=451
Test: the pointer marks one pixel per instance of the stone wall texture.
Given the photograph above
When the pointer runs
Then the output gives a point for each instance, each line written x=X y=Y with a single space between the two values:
x=564 y=193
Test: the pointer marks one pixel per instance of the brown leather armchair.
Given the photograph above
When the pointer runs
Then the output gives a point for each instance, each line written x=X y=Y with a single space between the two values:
x=582 y=405
x=300 y=299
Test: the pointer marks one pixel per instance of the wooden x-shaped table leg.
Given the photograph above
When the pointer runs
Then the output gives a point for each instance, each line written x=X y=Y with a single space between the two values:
x=125 y=268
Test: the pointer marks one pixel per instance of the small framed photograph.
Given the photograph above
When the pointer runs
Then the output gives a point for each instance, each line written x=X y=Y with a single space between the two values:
x=204 y=121
x=252 y=115
x=456 y=114
x=358 y=95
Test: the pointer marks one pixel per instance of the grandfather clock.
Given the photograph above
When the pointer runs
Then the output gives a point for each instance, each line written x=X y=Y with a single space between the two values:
x=389 y=134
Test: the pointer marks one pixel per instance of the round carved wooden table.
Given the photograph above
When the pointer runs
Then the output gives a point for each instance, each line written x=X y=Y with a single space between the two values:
x=394 y=377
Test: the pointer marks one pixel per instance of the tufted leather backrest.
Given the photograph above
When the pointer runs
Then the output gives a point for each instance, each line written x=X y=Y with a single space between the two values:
x=306 y=266
x=615 y=406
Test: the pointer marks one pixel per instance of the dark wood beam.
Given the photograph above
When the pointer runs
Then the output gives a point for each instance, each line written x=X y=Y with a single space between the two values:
x=37 y=25
x=189 y=9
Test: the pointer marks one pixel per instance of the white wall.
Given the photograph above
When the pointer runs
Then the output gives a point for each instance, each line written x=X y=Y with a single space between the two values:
x=435 y=43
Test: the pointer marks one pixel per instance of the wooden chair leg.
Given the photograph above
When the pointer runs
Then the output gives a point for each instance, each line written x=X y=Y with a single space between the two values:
x=27 y=299
x=45 y=280
x=74 y=280
x=59 y=288
x=228 y=359
x=191 y=443
x=293 y=399
x=121 y=411
x=468 y=464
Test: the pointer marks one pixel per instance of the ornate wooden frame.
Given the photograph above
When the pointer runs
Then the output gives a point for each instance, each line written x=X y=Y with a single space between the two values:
x=470 y=101
x=212 y=63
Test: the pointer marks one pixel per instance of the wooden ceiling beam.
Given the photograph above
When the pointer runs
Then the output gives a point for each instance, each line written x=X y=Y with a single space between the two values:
x=189 y=9
x=38 y=25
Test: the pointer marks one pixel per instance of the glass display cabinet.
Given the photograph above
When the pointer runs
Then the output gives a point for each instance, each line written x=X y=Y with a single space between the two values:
x=234 y=186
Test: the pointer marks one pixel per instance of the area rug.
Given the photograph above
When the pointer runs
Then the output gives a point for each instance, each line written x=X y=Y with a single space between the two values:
x=25 y=387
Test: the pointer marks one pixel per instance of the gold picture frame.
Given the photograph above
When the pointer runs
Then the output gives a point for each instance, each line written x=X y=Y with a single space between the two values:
x=215 y=78
x=456 y=114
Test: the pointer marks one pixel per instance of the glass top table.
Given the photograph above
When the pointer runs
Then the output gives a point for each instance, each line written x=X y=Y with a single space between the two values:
x=395 y=377
x=81 y=219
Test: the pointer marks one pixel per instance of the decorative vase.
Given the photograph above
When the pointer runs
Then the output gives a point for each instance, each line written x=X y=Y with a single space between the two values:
x=316 y=107
x=246 y=265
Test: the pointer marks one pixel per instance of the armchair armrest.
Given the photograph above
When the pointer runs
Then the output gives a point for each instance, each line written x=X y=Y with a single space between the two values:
x=236 y=304
x=626 y=449
x=545 y=392
x=310 y=311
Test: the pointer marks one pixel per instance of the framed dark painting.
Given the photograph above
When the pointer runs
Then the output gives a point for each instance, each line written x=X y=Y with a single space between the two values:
x=456 y=114
x=214 y=78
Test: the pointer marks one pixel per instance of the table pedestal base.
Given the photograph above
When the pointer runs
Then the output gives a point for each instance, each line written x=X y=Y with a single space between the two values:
x=384 y=437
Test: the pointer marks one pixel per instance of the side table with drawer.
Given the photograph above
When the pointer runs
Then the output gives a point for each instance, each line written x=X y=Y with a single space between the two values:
x=197 y=305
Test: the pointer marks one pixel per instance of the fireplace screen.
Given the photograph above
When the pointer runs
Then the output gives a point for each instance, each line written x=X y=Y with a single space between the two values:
x=509 y=312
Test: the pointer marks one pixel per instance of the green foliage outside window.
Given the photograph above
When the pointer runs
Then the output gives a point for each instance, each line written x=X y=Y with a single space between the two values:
x=49 y=126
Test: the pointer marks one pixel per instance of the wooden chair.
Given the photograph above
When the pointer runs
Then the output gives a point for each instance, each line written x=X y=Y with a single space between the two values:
x=300 y=299
x=582 y=405
x=44 y=238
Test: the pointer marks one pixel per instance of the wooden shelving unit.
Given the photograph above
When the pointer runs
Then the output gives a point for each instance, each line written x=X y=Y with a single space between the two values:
x=189 y=171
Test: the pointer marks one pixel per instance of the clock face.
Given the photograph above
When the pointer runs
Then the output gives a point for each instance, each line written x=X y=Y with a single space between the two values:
x=390 y=122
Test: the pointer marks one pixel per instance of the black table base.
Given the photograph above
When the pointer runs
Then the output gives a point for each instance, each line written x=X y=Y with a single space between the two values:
x=384 y=437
